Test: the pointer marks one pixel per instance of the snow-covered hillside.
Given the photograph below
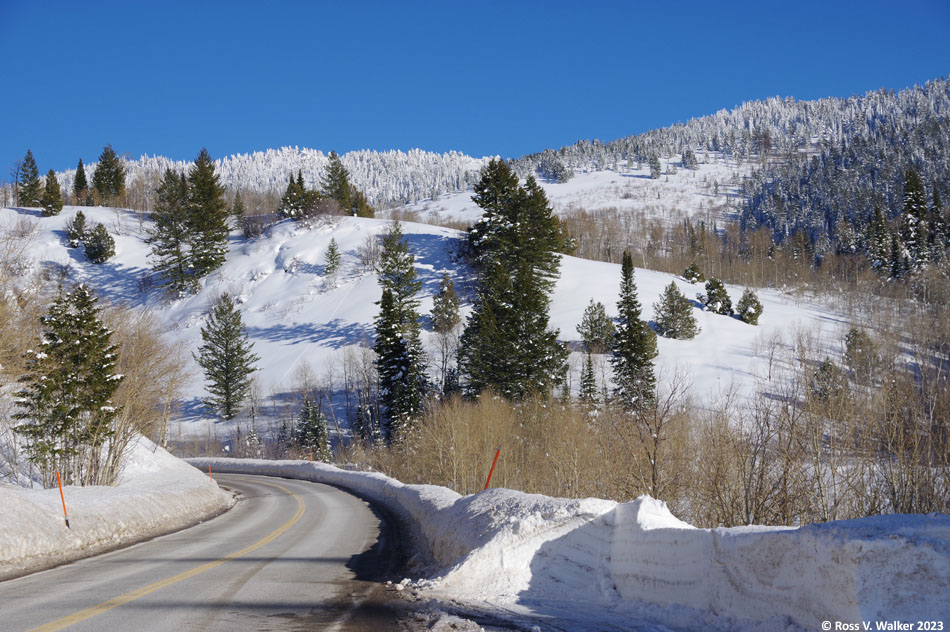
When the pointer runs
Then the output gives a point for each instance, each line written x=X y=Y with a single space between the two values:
x=297 y=318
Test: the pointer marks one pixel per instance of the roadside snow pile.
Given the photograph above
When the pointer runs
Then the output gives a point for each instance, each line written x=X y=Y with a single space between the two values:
x=157 y=493
x=598 y=558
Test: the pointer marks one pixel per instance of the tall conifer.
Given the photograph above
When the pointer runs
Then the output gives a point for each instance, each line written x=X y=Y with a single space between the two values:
x=634 y=347
x=109 y=177
x=226 y=357
x=80 y=186
x=30 y=193
x=208 y=215
x=52 y=195
x=171 y=233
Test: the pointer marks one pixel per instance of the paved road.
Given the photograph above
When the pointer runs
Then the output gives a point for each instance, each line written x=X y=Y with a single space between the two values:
x=292 y=555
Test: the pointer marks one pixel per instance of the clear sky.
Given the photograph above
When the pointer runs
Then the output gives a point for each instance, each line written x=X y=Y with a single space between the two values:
x=482 y=77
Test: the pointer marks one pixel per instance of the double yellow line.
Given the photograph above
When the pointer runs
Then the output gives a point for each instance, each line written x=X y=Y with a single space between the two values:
x=115 y=602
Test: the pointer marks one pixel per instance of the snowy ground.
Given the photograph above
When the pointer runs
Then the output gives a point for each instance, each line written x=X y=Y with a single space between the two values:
x=157 y=493
x=593 y=564
x=299 y=320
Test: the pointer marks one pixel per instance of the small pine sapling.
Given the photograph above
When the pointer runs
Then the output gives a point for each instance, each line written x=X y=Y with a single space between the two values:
x=100 y=245
x=76 y=229
x=749 y=308
x=716 y=299
x=693 y=274
x=674 y=315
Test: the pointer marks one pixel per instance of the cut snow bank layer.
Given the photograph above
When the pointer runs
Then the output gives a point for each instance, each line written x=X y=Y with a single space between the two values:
x=157 y=493
x=501 y=546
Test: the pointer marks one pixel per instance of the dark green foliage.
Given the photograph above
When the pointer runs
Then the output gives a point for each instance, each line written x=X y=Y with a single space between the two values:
x=693 y=274
x=827 y=381
x=551 y=168
x=292 y=203
x=596 y=328
x=109 y=177
x=80 y=186
x=100 y=245
x=655 y=168
x=335 y=183
x=506 y=344
x=311 y=434
x=689 y=160
x=878 y=240
x=674 y=315
x=445 y=321
x=397 y=271
x=30 y=185
x=897 y=262
x=860 y=354
x=913 y=220
x=65 y=406
x=226 y=358
x=749 y=307
x=332 y=259
x=716 y=299
x=208 y=216
x=238 y=211
x=634 y=347
x=76 y=229
x=52 y=196
x=588 y=390
x=171 y=234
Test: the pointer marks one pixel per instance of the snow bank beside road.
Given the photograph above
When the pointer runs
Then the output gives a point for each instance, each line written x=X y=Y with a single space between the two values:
x=157 y=493
x=506 y=547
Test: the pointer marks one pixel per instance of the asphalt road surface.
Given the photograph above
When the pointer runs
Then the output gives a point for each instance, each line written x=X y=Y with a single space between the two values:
x=292 y=555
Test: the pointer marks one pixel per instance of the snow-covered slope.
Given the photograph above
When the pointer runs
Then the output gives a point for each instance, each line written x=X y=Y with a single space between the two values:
x=296 y=316
x=594 y=564
x=156 y=494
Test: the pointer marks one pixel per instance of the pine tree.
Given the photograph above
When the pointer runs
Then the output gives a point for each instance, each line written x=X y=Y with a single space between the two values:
x=936 y=227
x=65 y=405
x=29 y=181
x=897 y=261
x=634 y=347
x=208 y=216
x=171 y=233
x=399 y=363
x=291 y=204
x=860 y=354
x=76 y=229
x=749 y=307
x=397 y=271
x=674 y=315
x=655 y=168
x=693 y=274
x=80 y=186
x=878 y=240
x=226 y=358
x=335 y=183
x=913 y=224
x=332 y=259
x=716 y=299
x=588 y=392
x=52 y=196
x=109 y=177
x=100 y=245
x=311 y=433
x=596 y=328
x=445 y=322
x=238 y=211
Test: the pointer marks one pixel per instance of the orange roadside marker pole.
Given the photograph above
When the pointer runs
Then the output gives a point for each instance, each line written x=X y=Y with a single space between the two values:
x=62 y=498
x=493 y=464
x=209 y=473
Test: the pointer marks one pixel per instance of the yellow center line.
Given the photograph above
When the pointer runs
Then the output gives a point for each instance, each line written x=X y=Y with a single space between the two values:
x=115 y=602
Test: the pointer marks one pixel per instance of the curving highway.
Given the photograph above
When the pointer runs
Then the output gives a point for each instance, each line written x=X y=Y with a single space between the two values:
x=292 y=555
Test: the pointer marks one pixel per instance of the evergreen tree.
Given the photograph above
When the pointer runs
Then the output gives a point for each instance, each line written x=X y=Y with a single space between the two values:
x=399 y=363
x=693 y=274
x=397 y=271
x=292 y=203
x=913 y=224
x=689 y=160
x=445 y=322
x=634 y=347
x=655 y=168
x=860 y=354
x=80 y=186
x=897 y=261
x=936 y=227
x=588 y=392
x=506 y=344
x=52 y=196
x=65 y=405
x=827 y=382
x=226 y=358
x=332 y=259
x=716 y=299
x=335 y=183
x=878 y=240
x=29 y=181
x=208 y=215
x=238 y=211
x=674 y=315
x=311 y=433
x=749 y=308
x=596 y=328
x=76 y=229
x=109 y=177
x=100 y=245
x=171 y=233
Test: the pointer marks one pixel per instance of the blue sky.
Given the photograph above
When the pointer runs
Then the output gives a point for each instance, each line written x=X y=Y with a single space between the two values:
x=482 y=77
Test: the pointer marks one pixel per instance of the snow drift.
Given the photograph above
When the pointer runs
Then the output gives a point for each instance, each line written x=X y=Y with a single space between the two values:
x=592 y=555
x=156 y=494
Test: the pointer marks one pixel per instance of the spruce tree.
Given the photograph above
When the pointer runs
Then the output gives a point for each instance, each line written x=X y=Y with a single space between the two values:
x=65 y=405
x=100 y=245
x=76 y=229
x=52 y=196
x=878 y=240
x=693 y=274
x=226 y=357
x=108 y=179
x=655 y=168
x=588 y=391
x=401 y=369
x=171 y=233
x=913 y=224
x=936 y=227
x=445 y=321
x=80 y=186
x=860 y=354
x=238 y=211
x=332 y=259
x=716 y=299
x=397 y=271
x=311 y=434
x=208 y=216
x=335 y=183
x=596 y=328
x=634 y=347
x=749 y=307
x=673 y=314
x=292 y=203
x=30 y=193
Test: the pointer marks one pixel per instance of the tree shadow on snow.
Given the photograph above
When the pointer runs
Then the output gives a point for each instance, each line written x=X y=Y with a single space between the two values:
x=335 y=334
